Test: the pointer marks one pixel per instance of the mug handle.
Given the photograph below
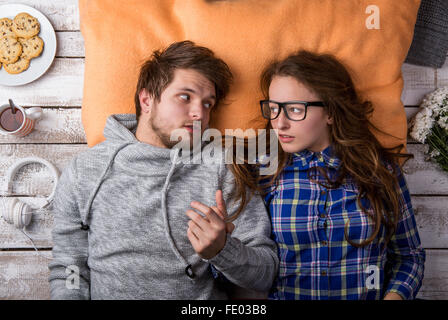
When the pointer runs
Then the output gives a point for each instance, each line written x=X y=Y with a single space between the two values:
x=34 y=113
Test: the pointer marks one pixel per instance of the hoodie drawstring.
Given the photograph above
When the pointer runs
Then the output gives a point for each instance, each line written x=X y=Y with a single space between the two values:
x=188 y=269
x=84 y=225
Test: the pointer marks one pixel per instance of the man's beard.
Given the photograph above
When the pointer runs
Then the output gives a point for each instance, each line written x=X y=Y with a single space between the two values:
x=165 y=137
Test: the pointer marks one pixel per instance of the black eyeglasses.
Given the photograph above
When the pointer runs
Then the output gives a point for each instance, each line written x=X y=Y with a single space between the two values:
x=294 y=110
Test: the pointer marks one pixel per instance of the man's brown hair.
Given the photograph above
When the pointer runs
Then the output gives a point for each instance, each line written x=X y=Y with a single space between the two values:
x=158 y=72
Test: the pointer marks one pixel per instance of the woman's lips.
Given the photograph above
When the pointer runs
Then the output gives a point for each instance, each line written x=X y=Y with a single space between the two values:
x=189 y=128
x=285 y=138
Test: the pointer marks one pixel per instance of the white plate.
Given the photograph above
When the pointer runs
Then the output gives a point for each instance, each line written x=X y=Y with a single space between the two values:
x=38 y=66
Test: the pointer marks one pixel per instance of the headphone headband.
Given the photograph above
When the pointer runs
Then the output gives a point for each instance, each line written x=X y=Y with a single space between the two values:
x=12 y=171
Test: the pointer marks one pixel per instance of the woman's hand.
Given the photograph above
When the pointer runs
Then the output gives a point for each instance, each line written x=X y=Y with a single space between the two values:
x=208 y=234
x=393 y=296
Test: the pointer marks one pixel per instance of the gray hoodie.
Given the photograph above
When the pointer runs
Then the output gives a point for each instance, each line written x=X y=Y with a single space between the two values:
x=119 y=219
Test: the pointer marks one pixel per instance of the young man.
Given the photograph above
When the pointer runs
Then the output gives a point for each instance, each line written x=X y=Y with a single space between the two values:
x=134 y=223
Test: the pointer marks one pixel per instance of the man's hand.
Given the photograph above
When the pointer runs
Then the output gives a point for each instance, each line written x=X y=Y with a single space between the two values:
x=208 y=234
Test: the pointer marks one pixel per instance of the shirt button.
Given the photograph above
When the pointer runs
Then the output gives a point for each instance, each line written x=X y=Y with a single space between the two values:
x=323 y=192
x=323 y=273
x=323 y=215
x=324 y=243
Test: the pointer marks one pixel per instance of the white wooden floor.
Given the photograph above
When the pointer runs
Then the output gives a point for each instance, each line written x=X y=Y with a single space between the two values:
x=60 y=136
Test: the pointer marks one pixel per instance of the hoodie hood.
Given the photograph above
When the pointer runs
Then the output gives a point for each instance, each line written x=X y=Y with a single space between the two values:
x=139 y=157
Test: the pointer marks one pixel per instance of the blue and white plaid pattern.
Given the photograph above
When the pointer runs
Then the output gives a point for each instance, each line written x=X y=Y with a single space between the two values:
x=316 y=261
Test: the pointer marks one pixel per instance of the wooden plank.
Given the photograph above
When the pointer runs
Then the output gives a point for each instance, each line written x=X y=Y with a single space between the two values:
x=442 y=75
x=431 y=215
x=61 y=86
x=24 y=275
x=418 y=81
x=411 y=111
x=57 y=125
x=35 y=179
x=70 y=44
x=435 y=281
x=424 y=177
x=63 y=14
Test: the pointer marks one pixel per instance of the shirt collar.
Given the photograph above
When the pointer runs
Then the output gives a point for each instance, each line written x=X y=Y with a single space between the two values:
x=307 y=158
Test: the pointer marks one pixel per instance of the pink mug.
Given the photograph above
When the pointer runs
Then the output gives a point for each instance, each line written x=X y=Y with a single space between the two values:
x=20 y=124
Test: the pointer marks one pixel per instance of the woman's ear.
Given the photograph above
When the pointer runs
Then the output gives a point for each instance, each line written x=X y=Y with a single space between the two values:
x=329 y=119
x=145 y=101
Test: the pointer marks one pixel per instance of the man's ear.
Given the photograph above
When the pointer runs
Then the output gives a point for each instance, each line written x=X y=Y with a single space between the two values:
x=146 y=101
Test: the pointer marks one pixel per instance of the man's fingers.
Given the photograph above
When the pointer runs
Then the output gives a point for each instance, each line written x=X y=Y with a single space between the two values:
x=198 y=219
x=229 y=225
x=193 y=238
x=218 y=212
x=210 y=214
x=196 y=230
x=220 y=203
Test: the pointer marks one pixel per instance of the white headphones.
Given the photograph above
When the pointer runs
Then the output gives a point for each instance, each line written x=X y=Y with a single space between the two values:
x=17 y=212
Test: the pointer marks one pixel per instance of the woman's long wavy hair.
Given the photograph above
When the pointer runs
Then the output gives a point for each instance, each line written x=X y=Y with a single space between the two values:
x=362 y=156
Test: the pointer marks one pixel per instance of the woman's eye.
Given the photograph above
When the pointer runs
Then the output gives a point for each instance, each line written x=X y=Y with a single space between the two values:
x=296 y=110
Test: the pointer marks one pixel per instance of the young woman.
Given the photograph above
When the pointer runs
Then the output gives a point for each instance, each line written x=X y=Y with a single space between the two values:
x=340 y=209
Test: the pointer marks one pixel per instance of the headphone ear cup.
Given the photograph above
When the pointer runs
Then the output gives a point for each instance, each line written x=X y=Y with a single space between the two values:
x=3 y=208
x=8 y=209
x=22 y=214
x=27 y=213
x=17 y=211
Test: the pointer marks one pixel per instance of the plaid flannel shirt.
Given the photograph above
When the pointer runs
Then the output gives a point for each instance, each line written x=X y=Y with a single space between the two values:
x=316 y=261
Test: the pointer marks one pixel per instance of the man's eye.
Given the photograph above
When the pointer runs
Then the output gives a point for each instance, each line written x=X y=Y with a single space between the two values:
x=185 y=97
